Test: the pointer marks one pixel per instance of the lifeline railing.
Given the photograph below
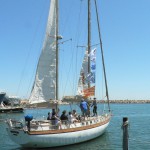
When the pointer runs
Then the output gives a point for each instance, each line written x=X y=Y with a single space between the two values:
x=34 y=124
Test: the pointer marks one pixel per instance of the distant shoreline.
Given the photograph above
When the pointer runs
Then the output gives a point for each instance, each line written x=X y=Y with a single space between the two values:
x=101 y=101
x=70 y=100
x=125 y=101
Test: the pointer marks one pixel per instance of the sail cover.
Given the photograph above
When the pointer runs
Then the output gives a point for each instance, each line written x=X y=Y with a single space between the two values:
x=45 y=80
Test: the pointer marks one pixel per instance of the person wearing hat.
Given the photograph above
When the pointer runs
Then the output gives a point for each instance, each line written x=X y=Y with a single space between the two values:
x=94 y=105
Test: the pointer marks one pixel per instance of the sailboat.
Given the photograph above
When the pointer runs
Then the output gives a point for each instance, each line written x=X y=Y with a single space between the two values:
x=43 y=133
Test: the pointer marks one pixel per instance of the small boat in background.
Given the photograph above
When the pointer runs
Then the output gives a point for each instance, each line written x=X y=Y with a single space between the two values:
x=9 y=104
x=10 y=109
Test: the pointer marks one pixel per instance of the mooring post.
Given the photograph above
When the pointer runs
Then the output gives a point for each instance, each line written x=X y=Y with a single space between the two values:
x=125 y=133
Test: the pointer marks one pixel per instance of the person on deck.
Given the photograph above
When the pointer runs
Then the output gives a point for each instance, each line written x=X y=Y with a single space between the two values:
x=94 y=105
x=71 y=118
x=74 y=114
x=55 y=120
x=88 y=110
x=53 y=111
x=84 y=107
x=64 y=117
x=49 y=116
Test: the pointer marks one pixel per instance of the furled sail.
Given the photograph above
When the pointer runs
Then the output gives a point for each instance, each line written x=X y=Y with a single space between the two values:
x=86 y=77
x=45 y=80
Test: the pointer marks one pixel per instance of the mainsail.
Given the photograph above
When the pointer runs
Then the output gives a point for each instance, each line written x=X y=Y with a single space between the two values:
x=44 y=87
x=87 y=78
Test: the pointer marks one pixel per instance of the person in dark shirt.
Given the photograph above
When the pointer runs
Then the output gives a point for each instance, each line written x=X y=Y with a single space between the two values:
x=64 y=117
x=49 y=116
x=94 y=105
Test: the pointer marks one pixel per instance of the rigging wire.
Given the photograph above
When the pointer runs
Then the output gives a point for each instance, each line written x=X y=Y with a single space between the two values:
x=78 y=34
x=62 y=63
x=102 y=55
x=63 y=58
x=29 y=53
x=72 y=59
x=65 y=24
x=68 y=74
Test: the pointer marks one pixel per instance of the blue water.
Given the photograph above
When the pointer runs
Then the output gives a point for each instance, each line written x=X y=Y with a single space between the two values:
x=139 y=129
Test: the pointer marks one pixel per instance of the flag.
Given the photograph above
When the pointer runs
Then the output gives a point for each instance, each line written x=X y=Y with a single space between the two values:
x=93 y=59
x=92 y=55
x=93 y=66
x=90 y=77
x=89 y=92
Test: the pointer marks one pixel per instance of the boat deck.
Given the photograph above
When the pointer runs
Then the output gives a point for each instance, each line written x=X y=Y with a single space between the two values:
x=46 y=126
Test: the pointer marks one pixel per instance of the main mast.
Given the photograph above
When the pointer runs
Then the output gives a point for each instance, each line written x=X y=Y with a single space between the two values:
x=56 y=96
x=89 y=36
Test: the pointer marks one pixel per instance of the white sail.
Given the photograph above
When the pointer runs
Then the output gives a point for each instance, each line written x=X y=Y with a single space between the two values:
x=45 y=80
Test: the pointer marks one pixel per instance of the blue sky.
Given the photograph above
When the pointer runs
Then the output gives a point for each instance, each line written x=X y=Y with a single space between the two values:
x=125 y=29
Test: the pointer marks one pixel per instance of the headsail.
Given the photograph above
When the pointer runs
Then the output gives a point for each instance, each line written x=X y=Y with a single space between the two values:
x=45 y=79
x=86 y=77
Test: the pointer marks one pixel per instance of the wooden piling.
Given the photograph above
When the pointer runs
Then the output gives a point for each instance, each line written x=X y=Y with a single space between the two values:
x=125 y=133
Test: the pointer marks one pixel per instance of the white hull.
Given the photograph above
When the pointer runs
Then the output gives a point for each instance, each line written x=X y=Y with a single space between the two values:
x=64 y=137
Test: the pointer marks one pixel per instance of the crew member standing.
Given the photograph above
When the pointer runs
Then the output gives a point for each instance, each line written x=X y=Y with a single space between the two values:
x=94 y=105
x=84 y=108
